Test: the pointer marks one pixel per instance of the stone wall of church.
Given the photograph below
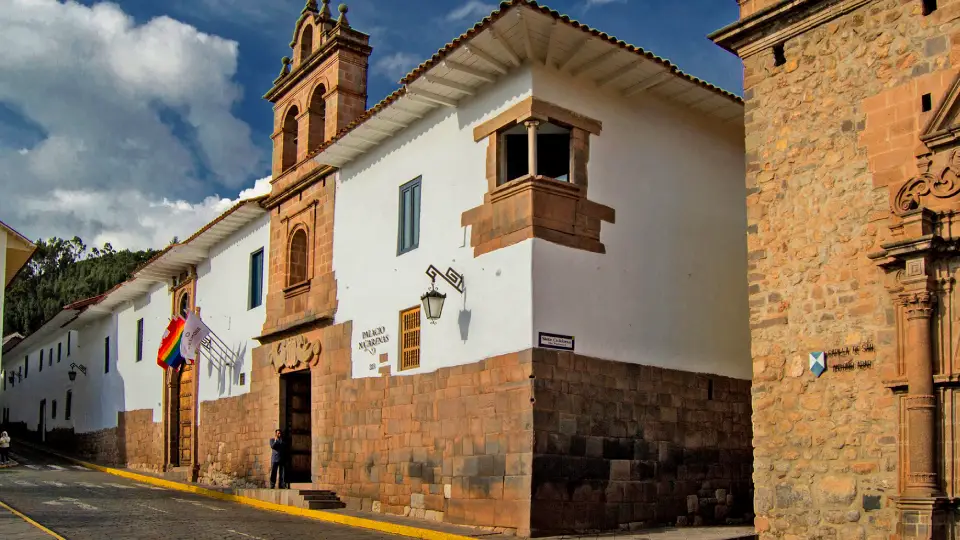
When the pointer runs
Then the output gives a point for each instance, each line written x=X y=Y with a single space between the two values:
x=827 y=133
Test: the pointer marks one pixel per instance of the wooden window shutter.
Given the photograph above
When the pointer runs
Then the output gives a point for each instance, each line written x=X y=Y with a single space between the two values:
x=410 y=338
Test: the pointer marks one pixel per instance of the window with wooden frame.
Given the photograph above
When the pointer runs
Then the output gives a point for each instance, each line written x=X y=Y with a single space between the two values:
x=410 y=338
x=408 y=233
x=139 y=340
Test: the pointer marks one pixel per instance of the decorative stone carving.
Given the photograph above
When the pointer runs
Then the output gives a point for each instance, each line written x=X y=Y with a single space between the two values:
x=919 y=304
x=293 y=353
x=943 y=185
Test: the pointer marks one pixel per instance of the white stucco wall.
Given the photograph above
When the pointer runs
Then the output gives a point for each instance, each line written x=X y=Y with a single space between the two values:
x=143 y=380
x=51 y=383
x=98 y=397
x=671 y=289
x=374 y=284
x=223 y=286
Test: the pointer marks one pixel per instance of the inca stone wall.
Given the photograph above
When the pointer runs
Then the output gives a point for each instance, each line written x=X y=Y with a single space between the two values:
x=134 y=443
x=820 y=156
x=628 y=446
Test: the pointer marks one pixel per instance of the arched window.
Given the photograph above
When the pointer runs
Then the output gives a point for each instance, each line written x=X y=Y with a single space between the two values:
x=316 y=119
x=184 y=305
x=306 y=43
x=288 y=140
x=297 y=261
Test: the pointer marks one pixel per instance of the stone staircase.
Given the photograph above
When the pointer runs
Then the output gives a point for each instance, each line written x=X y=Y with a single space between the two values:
x=307 y=498
x=319 y=499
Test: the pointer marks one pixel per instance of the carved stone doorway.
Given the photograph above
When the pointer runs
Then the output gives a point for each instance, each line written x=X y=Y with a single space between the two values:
x=295 y=421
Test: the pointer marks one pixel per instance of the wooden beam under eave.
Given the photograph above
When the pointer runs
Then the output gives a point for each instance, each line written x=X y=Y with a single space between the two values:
x=450 y=84
x=527 y=42
x=486 y=57
x=577 y=49
x=594 y=62
x=505 y=45
x=648 y=83
x=456 y=66
x=551 y=49
x=430 y=97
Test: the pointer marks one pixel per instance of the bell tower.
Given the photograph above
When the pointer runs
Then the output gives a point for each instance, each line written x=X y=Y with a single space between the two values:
x=321 y=88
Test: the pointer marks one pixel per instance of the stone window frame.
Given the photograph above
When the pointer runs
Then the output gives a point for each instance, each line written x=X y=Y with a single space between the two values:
x=530 y=112
x=304 y=284
x=533 y=206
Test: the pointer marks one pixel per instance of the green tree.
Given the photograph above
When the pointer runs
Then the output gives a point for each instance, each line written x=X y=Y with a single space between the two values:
x=62 y=272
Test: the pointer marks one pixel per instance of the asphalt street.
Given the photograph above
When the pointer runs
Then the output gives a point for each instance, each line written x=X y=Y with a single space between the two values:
x=79 y=503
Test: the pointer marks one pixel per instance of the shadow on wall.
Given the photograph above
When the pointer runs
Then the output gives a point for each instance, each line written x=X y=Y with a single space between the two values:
x=228 y=376
x=463 y=318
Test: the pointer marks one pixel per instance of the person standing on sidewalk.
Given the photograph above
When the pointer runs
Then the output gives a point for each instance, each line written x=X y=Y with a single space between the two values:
x=278 y=456
x=4 y=447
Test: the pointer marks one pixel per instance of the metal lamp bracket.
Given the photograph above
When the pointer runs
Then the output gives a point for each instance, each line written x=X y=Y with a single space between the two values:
x=452 y=277
x=81 y=368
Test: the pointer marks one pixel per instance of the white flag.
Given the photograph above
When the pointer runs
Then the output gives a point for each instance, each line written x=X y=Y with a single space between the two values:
x=194 y=332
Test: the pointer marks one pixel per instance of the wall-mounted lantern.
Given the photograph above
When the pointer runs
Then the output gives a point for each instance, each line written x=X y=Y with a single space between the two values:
x=433 y=299
x=12 y=379
x=73 y=374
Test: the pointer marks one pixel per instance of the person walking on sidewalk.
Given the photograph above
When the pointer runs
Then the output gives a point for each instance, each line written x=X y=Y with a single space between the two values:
x=4 y=448
x=278 y=456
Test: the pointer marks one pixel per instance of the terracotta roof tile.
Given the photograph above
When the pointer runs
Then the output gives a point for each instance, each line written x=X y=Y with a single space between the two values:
x=483 y=25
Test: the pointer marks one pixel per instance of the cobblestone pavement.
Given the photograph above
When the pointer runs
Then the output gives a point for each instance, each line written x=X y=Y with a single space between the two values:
x=81 y=504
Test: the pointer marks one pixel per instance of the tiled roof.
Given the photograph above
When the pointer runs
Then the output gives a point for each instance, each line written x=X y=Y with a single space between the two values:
x=485 y=23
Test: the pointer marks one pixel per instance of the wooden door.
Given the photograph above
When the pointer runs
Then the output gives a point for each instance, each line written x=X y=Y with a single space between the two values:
x=298 y=427
x=185 y=417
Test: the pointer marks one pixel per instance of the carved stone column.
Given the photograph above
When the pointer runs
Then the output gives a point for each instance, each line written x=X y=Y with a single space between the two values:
x=921 y=478
x=532 y=145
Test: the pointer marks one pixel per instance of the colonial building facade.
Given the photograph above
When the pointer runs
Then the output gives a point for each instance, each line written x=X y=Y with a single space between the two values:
x=852 y=200
x=88 y=380
x=589 y=368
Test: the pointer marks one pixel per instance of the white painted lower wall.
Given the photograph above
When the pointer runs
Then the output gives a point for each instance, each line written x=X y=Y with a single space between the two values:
x=374 y=284
x=671 y=290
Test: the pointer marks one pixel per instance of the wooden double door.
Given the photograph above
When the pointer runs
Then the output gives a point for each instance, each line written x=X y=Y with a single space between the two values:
x=181 y=417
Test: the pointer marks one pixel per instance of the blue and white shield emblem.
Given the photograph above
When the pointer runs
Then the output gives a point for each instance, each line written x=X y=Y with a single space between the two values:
x=818 y=363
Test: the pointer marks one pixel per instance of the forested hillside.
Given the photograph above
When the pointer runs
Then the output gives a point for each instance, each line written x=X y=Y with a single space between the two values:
x=61 y=272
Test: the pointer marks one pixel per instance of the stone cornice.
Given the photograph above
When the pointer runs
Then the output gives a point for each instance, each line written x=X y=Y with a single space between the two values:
x=313 y=176
x=779 y=23
x=319 y=56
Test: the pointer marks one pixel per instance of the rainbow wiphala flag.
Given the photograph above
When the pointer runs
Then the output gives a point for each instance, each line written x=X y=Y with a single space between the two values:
x=169 y=353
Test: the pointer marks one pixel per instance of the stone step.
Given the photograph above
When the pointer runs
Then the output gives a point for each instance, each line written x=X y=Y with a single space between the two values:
x=325 y=505
x=320 y=498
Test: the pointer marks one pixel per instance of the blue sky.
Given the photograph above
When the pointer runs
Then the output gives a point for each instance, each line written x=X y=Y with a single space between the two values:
x=162 y=99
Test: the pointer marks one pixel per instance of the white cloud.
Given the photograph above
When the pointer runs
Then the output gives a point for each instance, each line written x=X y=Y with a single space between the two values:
x=594 y=3
x=129 y=219
x=472 y=10
x=129 y=116
x=395 y=66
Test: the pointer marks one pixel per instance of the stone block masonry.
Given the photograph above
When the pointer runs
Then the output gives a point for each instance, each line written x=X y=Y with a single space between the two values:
x=622 y=445
x=832 y=127
x=134 y=443
x=504 y=442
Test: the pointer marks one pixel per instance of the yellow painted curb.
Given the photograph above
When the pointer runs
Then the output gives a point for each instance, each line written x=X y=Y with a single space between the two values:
x=320 y=515
x=30 y=521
